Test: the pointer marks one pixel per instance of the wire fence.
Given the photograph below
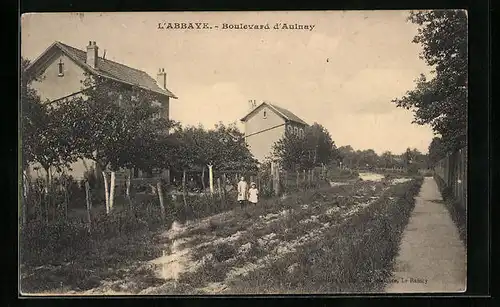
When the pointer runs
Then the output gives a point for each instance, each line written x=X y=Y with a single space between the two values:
x=68 y=197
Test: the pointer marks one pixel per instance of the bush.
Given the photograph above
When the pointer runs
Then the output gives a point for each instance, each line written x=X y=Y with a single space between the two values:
x=412 y=169
x=55 y=243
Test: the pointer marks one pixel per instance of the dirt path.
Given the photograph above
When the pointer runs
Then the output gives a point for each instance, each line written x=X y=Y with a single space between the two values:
x=432 y=257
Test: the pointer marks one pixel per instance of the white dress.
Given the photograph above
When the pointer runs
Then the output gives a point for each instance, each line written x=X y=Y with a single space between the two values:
x=253 y=196
x=242 y=190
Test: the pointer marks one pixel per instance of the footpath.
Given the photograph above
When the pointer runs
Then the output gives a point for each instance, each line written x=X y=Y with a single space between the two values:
x=432 y=258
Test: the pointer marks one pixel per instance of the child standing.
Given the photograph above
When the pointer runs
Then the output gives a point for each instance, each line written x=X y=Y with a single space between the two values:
x=242 y=191
x=253 y=194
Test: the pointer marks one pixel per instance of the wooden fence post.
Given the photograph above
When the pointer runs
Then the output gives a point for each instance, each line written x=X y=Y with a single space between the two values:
x=89 y=205
x=203 y=178
x=219 y=190
x=127 y=189
x=224 y=184
x=273 y=177
x=112 y=191
x=277 y=179
x=211 y=178
x=184 y=188
x=66 y=199
x=160 y=196
x=25 y=198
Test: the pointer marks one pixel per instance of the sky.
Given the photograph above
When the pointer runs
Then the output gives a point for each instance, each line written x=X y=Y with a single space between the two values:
x=342 y=73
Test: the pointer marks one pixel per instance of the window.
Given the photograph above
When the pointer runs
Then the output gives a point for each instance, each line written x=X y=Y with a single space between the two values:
x=265 y=114
x=61 y=70
x=290 y=129
x=296 y=130
x=301 y=132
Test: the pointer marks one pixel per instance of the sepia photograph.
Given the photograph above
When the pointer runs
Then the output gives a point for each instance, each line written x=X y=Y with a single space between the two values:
x=243 y=152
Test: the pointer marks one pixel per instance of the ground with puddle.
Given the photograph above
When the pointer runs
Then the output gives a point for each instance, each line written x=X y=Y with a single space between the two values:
x=209 y=255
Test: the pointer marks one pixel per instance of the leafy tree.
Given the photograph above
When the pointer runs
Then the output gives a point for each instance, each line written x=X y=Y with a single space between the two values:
x=347 y=156
x=442 y=101
x=367 y=158
x=292 y=152
x=223 y=147
x=387 y=160
x=436 y=151
x=315 y=148
x=117 y=126
x=45 y=135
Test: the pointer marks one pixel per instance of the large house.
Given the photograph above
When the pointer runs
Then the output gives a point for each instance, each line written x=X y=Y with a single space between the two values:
x=60 y=70
x=265 y=124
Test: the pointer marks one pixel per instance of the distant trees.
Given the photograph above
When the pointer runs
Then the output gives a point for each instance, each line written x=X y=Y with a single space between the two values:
x=316 y=147
x=441 y=101
x=368 y=158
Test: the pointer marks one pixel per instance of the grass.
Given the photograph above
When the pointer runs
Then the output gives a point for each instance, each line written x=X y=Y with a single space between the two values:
x=105 y=260
x=356 y=256
x=456 y=210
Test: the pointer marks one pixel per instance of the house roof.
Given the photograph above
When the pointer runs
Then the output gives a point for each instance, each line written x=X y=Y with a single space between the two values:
x=108 y=69
x=284 y=113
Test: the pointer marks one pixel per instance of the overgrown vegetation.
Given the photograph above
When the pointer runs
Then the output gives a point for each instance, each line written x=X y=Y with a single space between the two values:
x=456 y=210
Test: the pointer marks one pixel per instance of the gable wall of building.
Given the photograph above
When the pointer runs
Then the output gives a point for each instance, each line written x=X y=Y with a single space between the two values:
x=260 y=141
x=52 y=86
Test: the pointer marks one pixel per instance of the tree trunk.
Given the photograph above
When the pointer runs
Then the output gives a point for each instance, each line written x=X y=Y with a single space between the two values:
x=106 y=193
x=160 y=196
x=89 y=205
x=112 y=191
x=203 y=178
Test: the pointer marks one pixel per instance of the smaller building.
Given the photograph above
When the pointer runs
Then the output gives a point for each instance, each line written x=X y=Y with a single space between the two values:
x=266 y=124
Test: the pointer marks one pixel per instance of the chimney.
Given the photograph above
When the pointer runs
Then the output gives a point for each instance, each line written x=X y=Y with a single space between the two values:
x=161 y=78
x=252 y=104
x=92 y=53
